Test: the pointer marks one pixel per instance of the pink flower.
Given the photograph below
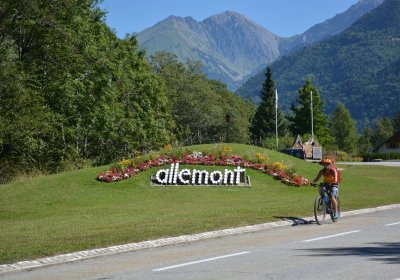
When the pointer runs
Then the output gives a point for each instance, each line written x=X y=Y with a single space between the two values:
x=197 y=158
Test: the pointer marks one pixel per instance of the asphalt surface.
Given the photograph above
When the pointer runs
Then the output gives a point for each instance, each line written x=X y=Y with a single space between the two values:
x=379 y=163
x=365 y=246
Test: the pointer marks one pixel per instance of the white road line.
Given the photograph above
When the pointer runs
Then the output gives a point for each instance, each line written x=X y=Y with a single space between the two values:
x=331 y=236
x=201 y=261
x=393 y=224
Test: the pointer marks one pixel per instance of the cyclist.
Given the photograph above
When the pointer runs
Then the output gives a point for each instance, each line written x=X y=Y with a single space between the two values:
x=331 y=183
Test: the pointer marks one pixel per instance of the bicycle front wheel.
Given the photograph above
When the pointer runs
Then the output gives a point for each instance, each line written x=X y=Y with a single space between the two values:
x=319 y=210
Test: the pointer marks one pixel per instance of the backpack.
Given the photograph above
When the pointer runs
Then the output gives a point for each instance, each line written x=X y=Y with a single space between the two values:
x=339 y=178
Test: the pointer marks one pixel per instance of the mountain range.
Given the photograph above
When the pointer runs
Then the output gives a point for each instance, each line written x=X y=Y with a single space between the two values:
x=352 y=58
x=359 y=67
x=234 y=48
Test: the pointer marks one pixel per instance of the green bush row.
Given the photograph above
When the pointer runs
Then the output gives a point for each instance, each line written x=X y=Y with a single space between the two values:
x=372 y=156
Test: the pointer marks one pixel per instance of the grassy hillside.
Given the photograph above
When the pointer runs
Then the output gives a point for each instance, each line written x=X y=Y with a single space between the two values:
x=72 y=211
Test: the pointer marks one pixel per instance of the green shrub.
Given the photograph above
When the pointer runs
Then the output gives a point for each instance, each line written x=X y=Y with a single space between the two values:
x=372 y=156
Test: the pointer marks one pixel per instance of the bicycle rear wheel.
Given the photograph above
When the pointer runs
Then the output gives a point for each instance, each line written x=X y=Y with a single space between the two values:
x=319 y=210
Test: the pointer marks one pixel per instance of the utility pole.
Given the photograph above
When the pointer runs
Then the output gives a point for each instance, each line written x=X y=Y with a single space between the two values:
x=312 y=117
x=276 y=118
x=228 y=119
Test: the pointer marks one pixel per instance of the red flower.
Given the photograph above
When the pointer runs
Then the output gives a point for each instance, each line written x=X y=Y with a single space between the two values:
x=196 y=158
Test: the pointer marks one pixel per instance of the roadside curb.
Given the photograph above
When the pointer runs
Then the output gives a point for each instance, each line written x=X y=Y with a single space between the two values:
x=87 y=254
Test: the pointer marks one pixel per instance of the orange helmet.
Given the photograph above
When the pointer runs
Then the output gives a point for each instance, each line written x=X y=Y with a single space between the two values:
x=326 y=161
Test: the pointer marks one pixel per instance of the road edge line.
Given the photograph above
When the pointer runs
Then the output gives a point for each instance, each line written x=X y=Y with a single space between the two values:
x=93 y=253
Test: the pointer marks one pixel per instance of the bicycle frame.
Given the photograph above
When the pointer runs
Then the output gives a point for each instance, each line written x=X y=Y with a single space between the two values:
x=323 y=206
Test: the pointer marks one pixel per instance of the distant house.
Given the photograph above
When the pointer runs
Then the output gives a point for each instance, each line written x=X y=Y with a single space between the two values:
x=391 y=145
x=308 y=150
x=297 y=149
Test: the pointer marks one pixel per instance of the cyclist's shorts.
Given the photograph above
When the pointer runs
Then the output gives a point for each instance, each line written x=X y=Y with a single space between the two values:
x=333 y=189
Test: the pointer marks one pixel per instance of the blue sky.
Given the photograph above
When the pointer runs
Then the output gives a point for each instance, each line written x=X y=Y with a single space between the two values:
x=282 y=17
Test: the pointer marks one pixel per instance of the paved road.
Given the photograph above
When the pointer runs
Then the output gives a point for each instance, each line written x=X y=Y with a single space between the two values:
x=365 y=246
x=380 y=163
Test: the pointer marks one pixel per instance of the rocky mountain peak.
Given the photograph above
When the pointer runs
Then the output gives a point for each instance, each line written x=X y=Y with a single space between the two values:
x=232 y=47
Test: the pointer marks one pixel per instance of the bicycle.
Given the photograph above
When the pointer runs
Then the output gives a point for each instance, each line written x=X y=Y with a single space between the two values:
x=323 y=206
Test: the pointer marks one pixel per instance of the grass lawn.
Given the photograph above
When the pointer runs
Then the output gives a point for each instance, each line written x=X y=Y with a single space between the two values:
x=71 y=211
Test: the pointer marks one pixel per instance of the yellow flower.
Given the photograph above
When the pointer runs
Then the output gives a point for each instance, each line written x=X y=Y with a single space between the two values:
x=279 y=166
x=260 y=157
x=125 y=162
x=227 y=149
x=167 y=147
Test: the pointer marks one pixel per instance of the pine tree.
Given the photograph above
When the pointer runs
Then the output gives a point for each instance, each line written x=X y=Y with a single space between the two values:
x=264 y=121
x=301 y=119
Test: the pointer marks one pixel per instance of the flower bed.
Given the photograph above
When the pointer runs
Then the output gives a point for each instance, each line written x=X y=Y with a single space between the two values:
x=127 y=168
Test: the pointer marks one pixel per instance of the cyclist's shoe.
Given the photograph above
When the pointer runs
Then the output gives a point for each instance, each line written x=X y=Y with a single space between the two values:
x=336 y=215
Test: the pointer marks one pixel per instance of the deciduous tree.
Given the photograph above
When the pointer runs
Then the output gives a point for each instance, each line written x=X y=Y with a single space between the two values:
x=343 y=129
